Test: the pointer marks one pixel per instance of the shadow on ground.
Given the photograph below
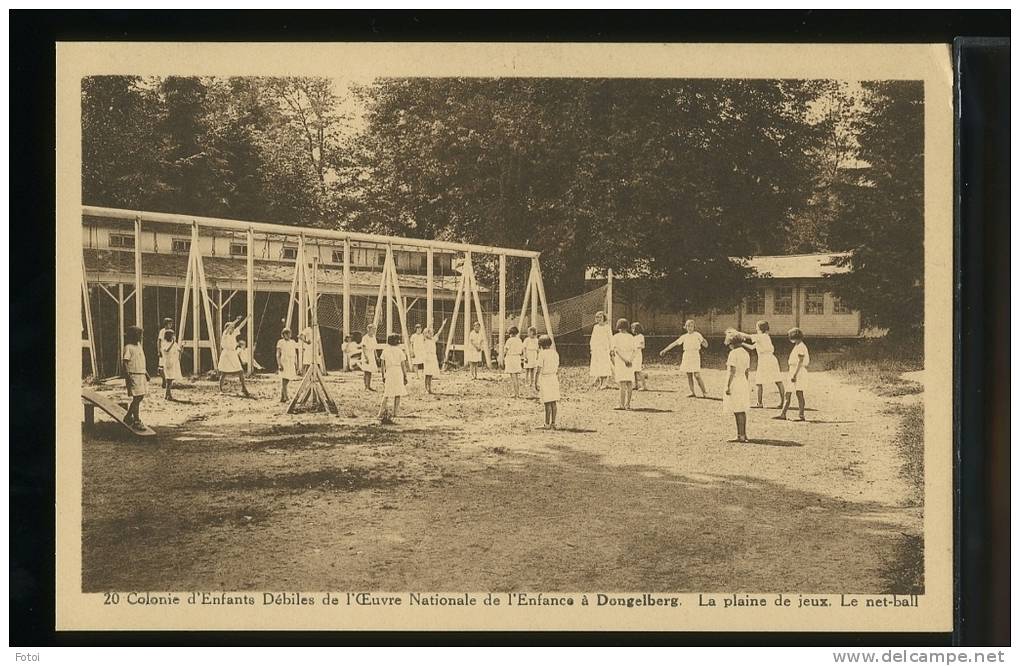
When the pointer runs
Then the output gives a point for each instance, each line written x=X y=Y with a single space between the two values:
x=329 y=506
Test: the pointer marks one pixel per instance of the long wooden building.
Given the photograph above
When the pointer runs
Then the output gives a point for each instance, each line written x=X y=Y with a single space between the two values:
x=790 y=290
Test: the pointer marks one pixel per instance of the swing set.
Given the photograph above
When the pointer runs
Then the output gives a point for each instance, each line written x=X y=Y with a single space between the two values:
x=197 y=306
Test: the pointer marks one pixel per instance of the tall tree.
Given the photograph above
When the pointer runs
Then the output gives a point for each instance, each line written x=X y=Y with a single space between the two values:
x=117 y=147
x=669 y=176
x=882 y=224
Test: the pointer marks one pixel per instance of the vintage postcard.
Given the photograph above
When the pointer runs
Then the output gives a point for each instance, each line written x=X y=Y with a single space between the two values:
x=504 y=336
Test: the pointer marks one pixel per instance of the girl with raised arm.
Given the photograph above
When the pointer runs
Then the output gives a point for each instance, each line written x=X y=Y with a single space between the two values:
x=230 y=361
x=692 y=343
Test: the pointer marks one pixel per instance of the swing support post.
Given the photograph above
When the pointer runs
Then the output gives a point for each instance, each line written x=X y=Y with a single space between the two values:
x=347 y=288
x=250 y=299
x=89 y=331
x=138 y=271
x=429 y=278
x=544 y=302
x=196 y=323
x=313 y=388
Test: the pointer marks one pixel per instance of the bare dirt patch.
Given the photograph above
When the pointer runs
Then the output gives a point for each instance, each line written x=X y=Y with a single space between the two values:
x=465 y=491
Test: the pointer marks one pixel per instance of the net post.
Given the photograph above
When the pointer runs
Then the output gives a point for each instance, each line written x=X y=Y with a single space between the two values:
x=502 y=306
x=609 y=296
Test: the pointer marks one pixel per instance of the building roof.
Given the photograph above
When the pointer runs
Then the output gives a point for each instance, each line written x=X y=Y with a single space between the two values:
x=266 y=272
x=818 y=265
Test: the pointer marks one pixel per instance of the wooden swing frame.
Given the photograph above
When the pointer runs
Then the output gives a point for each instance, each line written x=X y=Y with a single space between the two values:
x=312 y=389
x=196 y=289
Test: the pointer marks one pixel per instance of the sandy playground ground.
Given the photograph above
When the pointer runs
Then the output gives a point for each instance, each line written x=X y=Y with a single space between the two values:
x=465 y=491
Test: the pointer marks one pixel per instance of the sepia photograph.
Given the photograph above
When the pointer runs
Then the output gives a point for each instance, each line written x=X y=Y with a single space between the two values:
x=434 y=339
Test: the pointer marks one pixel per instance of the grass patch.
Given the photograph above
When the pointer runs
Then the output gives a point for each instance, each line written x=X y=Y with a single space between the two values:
x=878 y=364
x=910 y=442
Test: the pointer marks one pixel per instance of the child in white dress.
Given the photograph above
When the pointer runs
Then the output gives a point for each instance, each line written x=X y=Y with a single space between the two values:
x=513 y=355
x=230 y=361
x=624 y=351
x=417 y=350
x=430 y=364
x=393 y=361
x=135 y=375
x=640 y=379
x=531 y=355
x=737 y=395
x=168 y=325
x=600 y=344
x=306 y=350
x=170 y=352
x=369 y=365
x=286 y=362
x=473 y=352
x=547 y=383
x=351 y=350
x=768 y=364
x=244 y=354
x=692 y=343
x=800 y=359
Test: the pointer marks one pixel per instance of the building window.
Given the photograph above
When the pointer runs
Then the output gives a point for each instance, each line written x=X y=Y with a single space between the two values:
x=238 y=249
x=180 y=245
x=338 y=256
x=814 y=301
x=755 y=303
x=381 y=258
x=123 y=241
x=839 y=306
x=784 y=301
x=361 y=257
x=289 y=252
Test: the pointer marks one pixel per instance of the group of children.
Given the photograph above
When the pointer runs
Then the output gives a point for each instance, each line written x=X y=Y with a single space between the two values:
x=737 y=392
x=620 y=355
x=233 y=361
x=533 y=356
x=602 y=345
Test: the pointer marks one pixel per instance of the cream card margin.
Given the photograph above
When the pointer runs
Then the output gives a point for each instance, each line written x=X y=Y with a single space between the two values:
x=930 y=63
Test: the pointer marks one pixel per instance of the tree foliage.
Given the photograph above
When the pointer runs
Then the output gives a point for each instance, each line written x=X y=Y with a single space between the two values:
x=663 y=178
x=251 y=148
x=881 y=221
x=666 y=177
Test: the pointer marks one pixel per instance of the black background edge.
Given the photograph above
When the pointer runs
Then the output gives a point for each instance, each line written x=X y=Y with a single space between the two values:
x=32 y=70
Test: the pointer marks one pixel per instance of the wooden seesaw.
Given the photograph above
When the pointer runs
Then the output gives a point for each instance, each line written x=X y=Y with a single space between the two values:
x=92 y=399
